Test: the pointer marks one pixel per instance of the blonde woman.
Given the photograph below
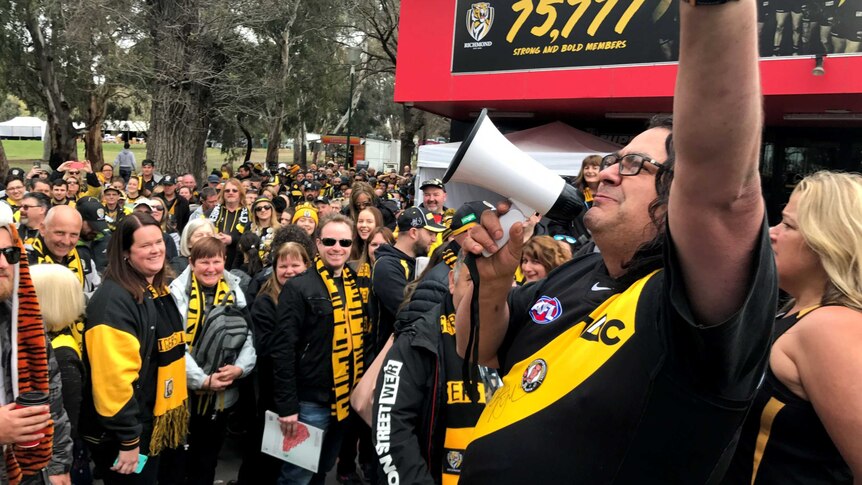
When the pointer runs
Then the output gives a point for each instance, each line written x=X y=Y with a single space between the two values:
x=806 y=421
x=264 y=223
x=541 y=255
x=61 y=300
x=194 y=231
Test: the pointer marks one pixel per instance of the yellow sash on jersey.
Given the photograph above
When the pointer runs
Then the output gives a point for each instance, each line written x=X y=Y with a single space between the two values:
x=572 y=357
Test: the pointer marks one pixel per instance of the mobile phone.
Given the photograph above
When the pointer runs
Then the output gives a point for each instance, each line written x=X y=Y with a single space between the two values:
x=37 y=164
x=142 y=461
x=76 y=165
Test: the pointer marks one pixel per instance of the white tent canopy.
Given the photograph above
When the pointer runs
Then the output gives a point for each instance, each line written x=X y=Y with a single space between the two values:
x=556 y=145
x=23 y=127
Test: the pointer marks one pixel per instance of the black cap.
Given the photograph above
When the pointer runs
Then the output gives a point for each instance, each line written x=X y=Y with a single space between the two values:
x=168 y=180
x=433 y=183
x=321 y=199
x=311 y=186
x=149 y=162
x=93 y=212
x=15 y=173
x=418 y=217
x=467 y=216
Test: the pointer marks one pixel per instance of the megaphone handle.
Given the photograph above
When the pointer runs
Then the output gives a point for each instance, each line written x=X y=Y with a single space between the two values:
x=506 y=222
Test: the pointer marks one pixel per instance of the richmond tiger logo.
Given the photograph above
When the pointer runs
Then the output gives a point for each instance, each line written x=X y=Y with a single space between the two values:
x=480 y=17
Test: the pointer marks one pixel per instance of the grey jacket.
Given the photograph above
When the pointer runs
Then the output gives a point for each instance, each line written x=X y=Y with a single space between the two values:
x=247 y=356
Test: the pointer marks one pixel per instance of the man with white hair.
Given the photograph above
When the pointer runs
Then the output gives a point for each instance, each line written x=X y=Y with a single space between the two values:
x=27 y=365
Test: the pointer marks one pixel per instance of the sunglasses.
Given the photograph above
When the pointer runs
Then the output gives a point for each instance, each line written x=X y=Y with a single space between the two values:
x=74 y=172
x=231 y=191
x=12 y=254
x=158 y=208
x=563 y=237
x=330 y=241
x=262 y=208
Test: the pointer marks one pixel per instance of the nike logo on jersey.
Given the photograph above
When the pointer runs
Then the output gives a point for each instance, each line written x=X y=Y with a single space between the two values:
x=596 y=287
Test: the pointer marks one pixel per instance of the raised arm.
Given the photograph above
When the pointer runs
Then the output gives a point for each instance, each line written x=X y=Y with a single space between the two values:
x=715 y=207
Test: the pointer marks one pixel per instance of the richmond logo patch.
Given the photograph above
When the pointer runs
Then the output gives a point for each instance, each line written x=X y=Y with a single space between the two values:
x=546 y=310
x=480 y=18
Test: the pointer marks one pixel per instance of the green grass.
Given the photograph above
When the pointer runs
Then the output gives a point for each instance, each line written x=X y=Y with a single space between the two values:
x=22 y=153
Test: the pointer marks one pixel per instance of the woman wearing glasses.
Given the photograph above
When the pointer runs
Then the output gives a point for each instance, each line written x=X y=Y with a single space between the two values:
x=14 y=195
x=230 y=217
x=806 y=420
x=361 y=196
x=264 y=223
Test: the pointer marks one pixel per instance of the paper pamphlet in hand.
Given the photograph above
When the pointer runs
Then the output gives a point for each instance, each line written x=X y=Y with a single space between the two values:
x=302 y=450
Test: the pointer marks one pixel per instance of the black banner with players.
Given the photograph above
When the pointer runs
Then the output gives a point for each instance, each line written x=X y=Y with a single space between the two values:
x=514 y=35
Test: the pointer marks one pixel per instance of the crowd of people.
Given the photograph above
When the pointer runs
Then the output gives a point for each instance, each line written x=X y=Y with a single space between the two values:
x=638 y=342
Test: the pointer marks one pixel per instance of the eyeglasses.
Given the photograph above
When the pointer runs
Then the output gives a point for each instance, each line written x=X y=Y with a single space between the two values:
x=17 y=187
x=25 y=207
x=262 y=208
x=631 y=164
x=330 y=241
x=12 y=254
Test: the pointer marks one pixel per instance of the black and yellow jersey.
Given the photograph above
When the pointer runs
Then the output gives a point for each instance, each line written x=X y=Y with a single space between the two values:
x=612 y=384
x=783 y=441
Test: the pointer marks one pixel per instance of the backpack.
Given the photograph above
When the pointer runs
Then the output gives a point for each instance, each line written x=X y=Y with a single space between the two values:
x=225 y=330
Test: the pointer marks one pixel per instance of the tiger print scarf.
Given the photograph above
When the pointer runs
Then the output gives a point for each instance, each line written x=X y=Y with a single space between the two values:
x=29 y=365
x=347 y=358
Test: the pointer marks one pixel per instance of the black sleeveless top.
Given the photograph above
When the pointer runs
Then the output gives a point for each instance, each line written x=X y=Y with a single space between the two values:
x=783 y=441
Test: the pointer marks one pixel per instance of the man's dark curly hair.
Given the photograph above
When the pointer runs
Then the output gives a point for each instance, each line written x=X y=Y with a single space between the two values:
x=649 y=256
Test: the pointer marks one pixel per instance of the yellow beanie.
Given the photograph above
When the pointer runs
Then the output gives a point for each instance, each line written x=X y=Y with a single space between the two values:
x=305 y=210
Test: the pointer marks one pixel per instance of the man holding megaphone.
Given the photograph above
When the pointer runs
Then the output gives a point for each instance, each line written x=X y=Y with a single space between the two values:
x=639 y=364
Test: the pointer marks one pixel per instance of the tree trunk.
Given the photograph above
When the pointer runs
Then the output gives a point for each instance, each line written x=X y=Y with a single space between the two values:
x=95 y=117
x=180 y=117
x=274 y=138
x=63 y=141
x=413 y=121
x=249 y=144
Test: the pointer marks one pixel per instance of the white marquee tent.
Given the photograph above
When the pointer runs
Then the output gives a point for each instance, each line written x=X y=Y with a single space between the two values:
x=23 y=127
x=556 y=145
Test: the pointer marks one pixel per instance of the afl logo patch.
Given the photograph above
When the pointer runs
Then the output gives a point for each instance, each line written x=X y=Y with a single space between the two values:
x=534 y=375
x=546 y=310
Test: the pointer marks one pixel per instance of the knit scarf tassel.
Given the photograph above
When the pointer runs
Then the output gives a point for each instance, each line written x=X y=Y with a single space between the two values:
x=347 y=357
x=170 y=429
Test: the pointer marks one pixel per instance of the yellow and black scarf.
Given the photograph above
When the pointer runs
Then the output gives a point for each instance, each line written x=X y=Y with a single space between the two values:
x=347 y=358
x=73 y=262
x=196 y=313
x=171 y=412
x=195 y=317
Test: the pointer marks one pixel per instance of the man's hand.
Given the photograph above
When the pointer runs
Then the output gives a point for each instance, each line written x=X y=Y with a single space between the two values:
x=23 y=424
x=65 y=166
x=502 y=263
x=288 y=425
x=88 y=167
x=64 y=479
x=127 y=462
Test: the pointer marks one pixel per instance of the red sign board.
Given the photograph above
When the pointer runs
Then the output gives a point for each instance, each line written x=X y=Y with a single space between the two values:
x=340 y=140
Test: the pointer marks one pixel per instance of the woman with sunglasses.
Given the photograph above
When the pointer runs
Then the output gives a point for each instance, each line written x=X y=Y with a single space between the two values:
x=361 y=196
x=806 y=421
x=230 y=217
x=264 y=223
x=73 y=189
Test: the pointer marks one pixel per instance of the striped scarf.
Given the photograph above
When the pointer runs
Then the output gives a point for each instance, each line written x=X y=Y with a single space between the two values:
x=171 y=412
x=73 y=260
x=30 y=367
x=196 y=313
x=347 y=358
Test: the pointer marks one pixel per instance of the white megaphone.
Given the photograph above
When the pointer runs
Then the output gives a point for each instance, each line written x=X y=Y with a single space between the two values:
x=488 y=160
